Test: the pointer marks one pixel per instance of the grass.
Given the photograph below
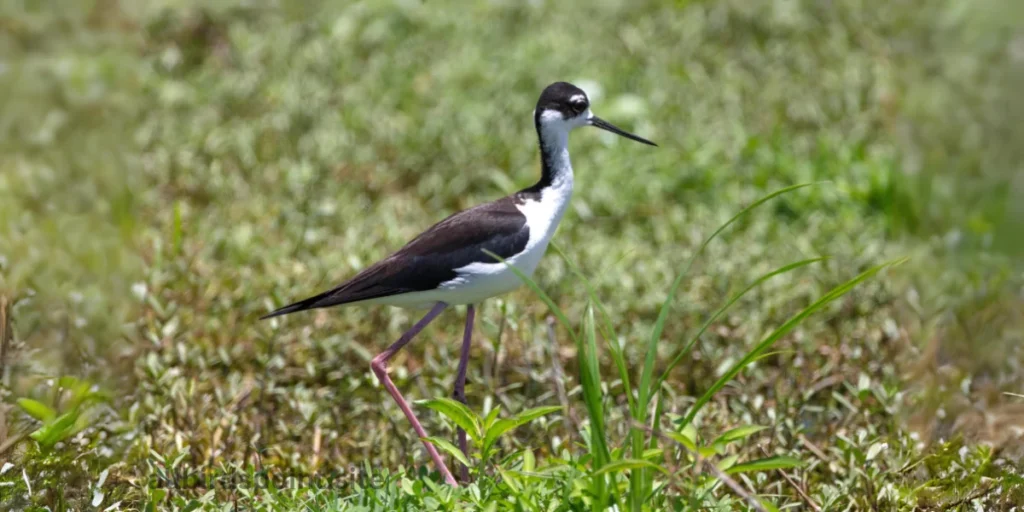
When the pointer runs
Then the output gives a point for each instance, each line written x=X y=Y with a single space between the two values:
x=174 y=169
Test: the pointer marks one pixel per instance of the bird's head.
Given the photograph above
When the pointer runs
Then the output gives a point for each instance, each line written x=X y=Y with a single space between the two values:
x=563 y=107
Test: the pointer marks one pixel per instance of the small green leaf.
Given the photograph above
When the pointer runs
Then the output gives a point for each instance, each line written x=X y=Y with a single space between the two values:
x=502 y=426
x=82 y=393
x=37 y=410
x=766 y=464
x=491 y=417
x=408 y=487
x=532 y=414
x=507 y=460
x=738 y=433
x=727 y=462
x=768 y=506
x=529 y=461
x=707 y=451
x=192 y=505
x=617 y=453
x=496 y=430
x=682 y=439
x=653 y=454
x=690 y=432
x=509 y=478
x=68 y=382
x=79 y=393
x=80 y=424
x=53 y=433
x=874 y=450
x=457 y=412
x=450 y=448
x=156 y=496
x=628 y=464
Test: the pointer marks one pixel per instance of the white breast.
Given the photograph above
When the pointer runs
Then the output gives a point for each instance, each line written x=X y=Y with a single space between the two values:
x=478 y=281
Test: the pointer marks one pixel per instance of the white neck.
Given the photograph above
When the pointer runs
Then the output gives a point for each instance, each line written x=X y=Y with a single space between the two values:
x=553 y=131
x=554 y=150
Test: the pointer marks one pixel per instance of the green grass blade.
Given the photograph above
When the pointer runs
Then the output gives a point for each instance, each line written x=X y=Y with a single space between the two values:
x=766 y=464
x=544 y=297
x=639 y=486
x=591 y=383
x=629 y=464
x=768 y=341
x=738 y=433
x=607 y=330
x=656 y=420
x=659 y=409
x=659 y=325
x=648 y=368
x=590 y=380
x=732 y=300
x=589 y=372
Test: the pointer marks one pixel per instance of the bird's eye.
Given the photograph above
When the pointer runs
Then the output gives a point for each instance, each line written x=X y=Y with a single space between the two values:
x=579 y=105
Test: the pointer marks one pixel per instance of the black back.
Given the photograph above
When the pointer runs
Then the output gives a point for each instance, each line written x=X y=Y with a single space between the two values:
x=432 y=257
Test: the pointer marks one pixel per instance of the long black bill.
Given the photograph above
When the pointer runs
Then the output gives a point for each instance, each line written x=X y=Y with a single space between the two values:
x=605 y=125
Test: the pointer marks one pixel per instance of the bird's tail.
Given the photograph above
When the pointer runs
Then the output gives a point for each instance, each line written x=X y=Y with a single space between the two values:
x=302 y=305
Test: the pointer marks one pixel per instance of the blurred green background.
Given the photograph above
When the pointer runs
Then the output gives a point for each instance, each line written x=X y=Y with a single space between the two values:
x=172 y=169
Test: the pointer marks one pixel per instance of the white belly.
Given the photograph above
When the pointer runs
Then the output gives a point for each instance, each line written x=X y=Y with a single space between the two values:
x=474 y=283
x=478 y=281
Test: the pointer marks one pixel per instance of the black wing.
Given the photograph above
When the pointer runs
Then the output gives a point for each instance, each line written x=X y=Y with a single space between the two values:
x=432 y=257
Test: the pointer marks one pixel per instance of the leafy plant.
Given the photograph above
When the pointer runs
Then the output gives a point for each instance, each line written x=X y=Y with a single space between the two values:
x=716 y=450
x=483 y=433
x=72 y=413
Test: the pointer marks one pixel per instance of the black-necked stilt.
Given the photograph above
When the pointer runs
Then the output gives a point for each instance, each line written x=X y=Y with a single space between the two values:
x=447 y=265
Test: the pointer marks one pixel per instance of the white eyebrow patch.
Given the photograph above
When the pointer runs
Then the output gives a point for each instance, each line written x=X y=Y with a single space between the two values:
x=576 y=98
x=551 y=115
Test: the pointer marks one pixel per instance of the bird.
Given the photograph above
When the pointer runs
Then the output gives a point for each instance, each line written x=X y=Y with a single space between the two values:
x=452 y=262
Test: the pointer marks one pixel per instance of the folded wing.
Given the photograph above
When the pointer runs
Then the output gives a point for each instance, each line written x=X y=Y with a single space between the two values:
x=433 y=257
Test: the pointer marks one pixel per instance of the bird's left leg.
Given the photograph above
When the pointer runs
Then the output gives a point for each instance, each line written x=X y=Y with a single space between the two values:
x=460 y=382
x=379 y=365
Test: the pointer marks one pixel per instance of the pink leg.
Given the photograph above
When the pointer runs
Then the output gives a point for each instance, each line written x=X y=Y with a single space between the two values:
x=460 y=383
x=380 y=368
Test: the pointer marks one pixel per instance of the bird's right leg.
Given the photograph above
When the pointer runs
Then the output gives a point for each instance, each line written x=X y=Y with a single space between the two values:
x=460 y=383
x=380 y=368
